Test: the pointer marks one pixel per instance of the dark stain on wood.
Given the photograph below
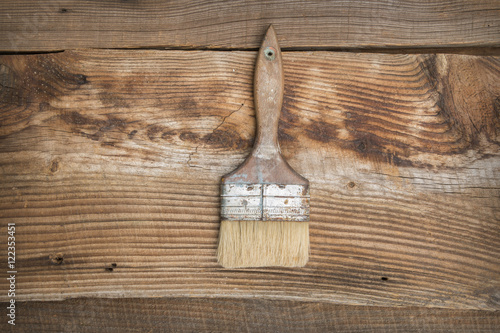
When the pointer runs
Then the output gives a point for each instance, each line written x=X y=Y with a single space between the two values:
x=154 y=130
x=188 y=104
x=189 y=136
x=283 y=136
x=227 y=139
x=287 y=117
x=168 y=134
x=321 y=131
x=85 y=125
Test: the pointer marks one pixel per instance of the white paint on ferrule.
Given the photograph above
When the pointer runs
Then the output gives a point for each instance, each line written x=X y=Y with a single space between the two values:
x=265 y=202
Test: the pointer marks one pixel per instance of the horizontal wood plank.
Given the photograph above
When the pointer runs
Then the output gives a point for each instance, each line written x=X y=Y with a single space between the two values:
x=239 y=315
x=69 y=24
x=111 y=160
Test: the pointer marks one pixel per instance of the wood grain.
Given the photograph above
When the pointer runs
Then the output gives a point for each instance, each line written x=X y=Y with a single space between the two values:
x=111 y=161
x=69 y=24
x=240 y=315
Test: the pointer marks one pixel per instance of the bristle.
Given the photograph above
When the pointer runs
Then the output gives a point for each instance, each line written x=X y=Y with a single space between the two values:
x=263 y=244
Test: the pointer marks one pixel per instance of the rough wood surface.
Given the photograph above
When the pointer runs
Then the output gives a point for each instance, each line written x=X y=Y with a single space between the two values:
x=240 y=315
x=68 y=24
x=111 y=160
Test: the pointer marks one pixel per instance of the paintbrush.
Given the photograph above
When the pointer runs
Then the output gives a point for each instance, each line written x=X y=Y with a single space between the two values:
x=264 y=202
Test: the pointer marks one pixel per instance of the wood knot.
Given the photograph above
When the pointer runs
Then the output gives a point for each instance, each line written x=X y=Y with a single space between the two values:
x=81 y=79
x=54 y=166
x=56 y=259
x=132 y=134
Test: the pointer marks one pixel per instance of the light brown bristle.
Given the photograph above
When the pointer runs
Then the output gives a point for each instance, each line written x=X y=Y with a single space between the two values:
x=263 y=244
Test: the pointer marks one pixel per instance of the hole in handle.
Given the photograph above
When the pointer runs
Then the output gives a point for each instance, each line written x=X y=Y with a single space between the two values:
x=270 y=53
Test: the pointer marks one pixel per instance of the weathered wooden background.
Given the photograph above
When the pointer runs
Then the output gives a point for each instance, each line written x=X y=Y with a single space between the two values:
x=118 y=118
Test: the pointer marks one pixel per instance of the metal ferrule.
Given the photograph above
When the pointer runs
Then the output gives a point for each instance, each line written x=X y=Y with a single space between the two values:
x=264 y=202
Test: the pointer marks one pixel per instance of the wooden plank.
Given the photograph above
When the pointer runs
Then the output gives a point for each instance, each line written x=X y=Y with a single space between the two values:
x=240 y=315
x=68 y=24
x=111 y=161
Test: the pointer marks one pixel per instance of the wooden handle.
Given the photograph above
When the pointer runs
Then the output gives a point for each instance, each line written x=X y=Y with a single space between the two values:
x=266 y=165
x=268 y=95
